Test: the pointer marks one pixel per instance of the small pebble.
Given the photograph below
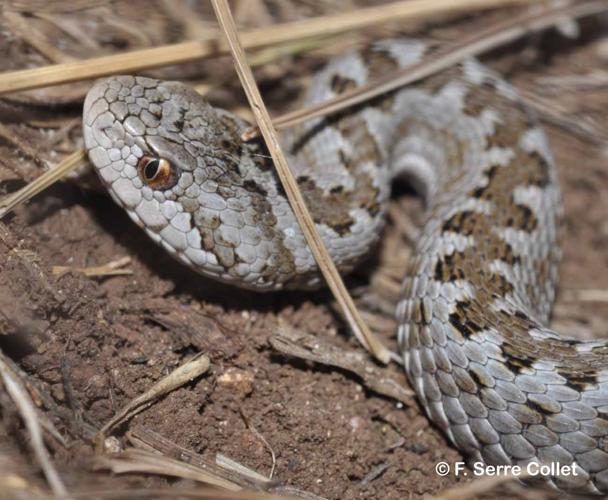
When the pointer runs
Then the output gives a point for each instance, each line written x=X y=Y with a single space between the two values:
x=240 y=380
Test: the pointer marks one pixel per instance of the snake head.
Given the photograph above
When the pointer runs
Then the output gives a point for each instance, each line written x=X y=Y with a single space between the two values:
x=179 y=168
x=146 y=137
x=157 y=148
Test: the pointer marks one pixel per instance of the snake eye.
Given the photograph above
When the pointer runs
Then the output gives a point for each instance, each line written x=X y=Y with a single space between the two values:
x=157 y=173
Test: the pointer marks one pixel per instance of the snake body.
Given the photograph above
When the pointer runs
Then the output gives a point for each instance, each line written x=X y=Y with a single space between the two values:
x=476 y=300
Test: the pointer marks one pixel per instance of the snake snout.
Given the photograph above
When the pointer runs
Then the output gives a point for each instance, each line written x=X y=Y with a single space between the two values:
x=104 y=124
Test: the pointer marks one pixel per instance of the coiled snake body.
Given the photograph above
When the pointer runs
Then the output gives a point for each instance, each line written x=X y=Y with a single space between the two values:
x=477 y=297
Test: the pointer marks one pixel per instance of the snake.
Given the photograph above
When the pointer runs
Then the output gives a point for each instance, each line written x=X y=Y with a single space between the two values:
x=474 y=310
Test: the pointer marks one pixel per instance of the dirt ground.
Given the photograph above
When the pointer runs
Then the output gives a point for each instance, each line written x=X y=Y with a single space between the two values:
x=89 y=345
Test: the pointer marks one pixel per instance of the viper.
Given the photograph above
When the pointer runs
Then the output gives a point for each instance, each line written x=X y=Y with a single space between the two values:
x=473 y=315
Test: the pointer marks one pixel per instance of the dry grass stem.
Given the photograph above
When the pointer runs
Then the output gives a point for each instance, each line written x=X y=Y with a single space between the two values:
x=488 y=39
x=281 y=34
x=222 y=467
x=587 y=295
x=270 y=54
x=149 y=462
x=170 y=493
x=297 y=37
x=595 y=79
x=551 y=112
x=21 y=26
x=299 y=344
x=185 y=373
x=23 y=148
x=139 y=60
x=261 y=437
x=290 y=185
x=69 y=164
x=110 y=269
x=153 y=460
x=402 y=220
x=238 y=469
x=22 y=400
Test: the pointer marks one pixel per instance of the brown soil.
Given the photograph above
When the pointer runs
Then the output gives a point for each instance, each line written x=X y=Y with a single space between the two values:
x=91 y=345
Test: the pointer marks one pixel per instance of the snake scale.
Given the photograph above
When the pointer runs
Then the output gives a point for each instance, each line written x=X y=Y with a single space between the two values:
x=476 y=300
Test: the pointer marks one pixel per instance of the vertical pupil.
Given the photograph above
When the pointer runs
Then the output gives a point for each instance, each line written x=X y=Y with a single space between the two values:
x=151 y=169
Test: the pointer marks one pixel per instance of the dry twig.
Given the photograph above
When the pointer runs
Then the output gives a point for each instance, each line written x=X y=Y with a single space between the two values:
x=67 y=165
x=26 y=407
x=183 y=374
x=302 y=345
